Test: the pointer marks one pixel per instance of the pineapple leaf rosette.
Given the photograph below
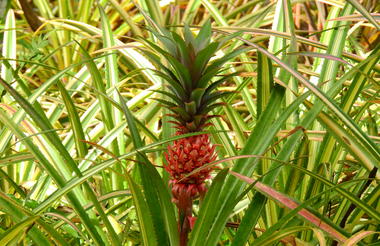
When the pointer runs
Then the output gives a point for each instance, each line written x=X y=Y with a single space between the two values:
x=193 y=76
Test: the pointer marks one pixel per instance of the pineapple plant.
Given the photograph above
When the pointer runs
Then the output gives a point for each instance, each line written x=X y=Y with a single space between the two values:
x=192 y=79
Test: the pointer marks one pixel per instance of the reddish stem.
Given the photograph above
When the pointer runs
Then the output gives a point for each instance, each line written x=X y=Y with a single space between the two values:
x=185 y=206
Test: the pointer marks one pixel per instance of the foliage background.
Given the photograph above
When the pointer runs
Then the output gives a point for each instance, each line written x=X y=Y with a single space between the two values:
x=303 y=126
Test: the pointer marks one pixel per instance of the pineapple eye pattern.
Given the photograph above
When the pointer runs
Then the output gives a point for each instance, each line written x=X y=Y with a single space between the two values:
x=182 y=161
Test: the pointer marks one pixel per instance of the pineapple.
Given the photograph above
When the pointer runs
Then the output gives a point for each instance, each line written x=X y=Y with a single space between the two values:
x=183 y=157
x=192 y=84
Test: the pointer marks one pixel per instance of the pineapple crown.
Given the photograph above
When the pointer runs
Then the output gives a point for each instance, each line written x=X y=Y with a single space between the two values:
x=191 y=73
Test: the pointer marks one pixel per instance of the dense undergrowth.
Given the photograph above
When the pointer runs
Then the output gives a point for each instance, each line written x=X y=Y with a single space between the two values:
x=82 y=138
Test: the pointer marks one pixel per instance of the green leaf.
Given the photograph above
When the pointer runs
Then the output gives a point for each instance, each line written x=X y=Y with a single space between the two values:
x=9 y=44
x=260 y=138
x=17 y=212
x=364 y=12
x=207 y=108
x=191 y=107
x=206 y=100
x=170 y=45
x=218 y=63
x=202 y=59
x=15 y=230
x=224 y=39
x=180 y=70
x=145 y=219
x=74 y=121
x=215 y=84
x=207 y=77
x=196 y=96
x=184 y=55
x=97 y=79
x=45 y=125
x=208 y=210
x=170 y=95
x=166 y=103
x=15 y=158
x=157 y=196
x=175 y=85
x=189 y=37
x=291 y=204
x=204 y=36
x=264 y=81
x=349 y=142
x=253 y=213
x=162 y=52
x=154 y=11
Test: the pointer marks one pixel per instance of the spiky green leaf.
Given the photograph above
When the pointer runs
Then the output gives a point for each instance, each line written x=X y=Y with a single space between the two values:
x=204 y=36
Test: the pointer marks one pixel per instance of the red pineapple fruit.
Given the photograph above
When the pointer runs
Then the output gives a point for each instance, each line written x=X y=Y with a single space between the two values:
x=192 y=82
x=183 y=157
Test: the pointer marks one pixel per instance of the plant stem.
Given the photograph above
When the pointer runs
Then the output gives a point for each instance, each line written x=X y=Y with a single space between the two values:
x=185 y=206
